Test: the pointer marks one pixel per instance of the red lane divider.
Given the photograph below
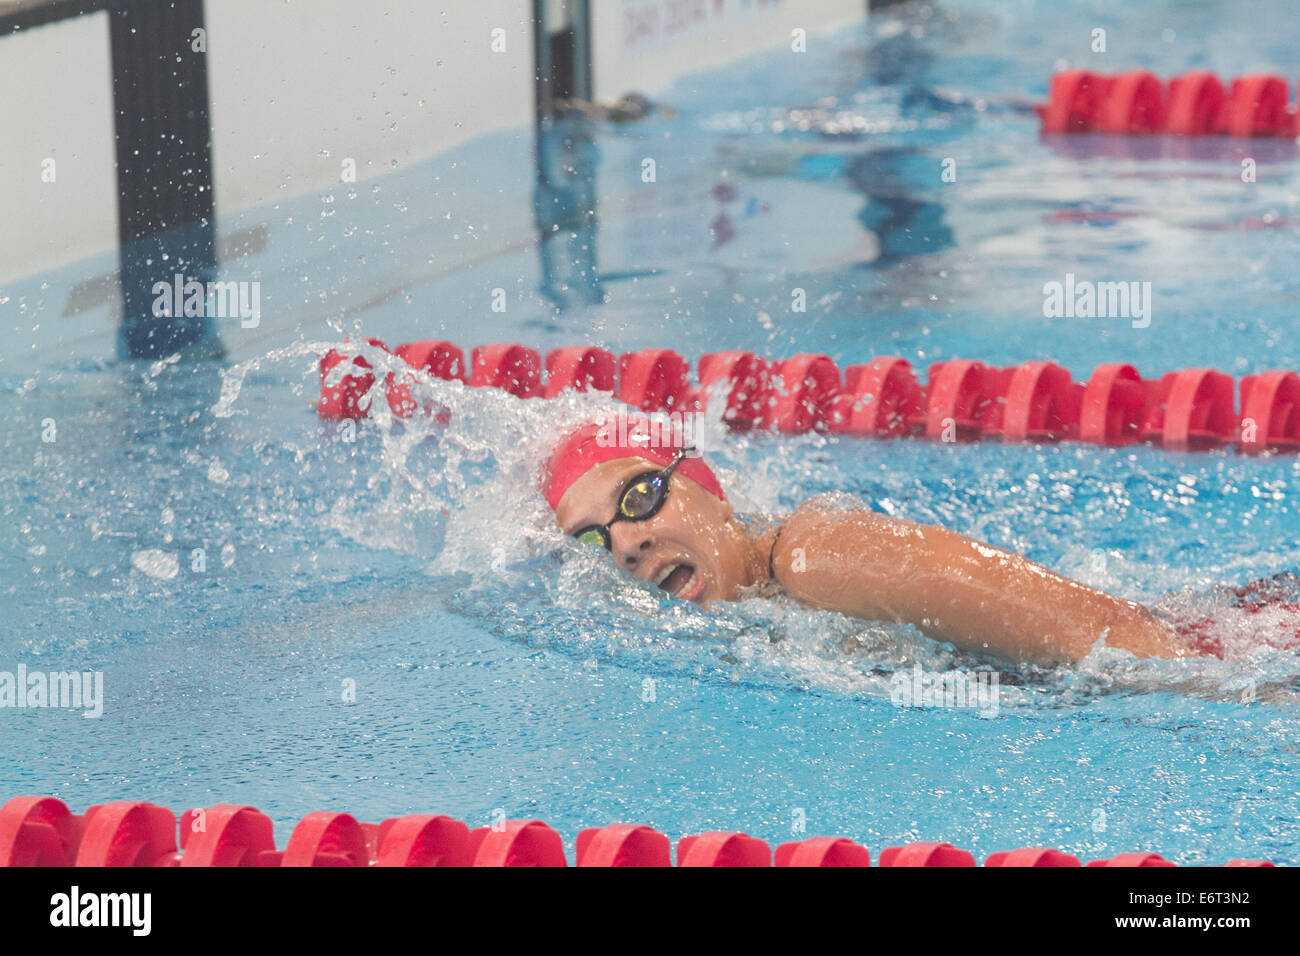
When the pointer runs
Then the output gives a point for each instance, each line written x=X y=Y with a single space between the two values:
x=515 y=369
x=963 y=400
x=1270 y=403
x=439 y=359
x=653 y=380
x=341 y=399
x=1114 y=405
x=41 y=831
x=1134 y=859
x=1257 y=106
x=925 y=854
x=1042 y=404
x=959 y=400
x=323 y=838
x=823 y=851
x=517 y=843
x=225 y=835
x=1032 y=856
x=578 y=367
x=749 y=381
x=1189 y=409
x=423 y=840
x=723 y=849
x=1195 y=104
x=38 y=831
x=881 y=399
x=803 y=391
x=126 y=833
x=624 y=844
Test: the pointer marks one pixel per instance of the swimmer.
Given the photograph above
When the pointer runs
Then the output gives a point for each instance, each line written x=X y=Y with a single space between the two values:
x=662 y=514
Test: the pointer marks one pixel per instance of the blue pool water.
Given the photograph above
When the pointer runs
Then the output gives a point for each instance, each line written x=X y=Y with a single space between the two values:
x=498 y=669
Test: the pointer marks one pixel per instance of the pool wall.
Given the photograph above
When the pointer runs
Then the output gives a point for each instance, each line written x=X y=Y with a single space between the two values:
x=298 y=89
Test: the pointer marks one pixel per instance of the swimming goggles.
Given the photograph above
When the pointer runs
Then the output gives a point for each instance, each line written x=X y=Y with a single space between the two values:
x=641 y=500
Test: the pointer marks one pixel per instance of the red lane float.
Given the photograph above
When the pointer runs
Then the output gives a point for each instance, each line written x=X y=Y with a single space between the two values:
x=803 y=391
x=342 y=398
x=515 y=369
x=1042 y=404
x=226 y=835
x=1195 y=104
x=1134 y=859
x=653 y=380
x=749 y=386
x=1032 y=856
x=963 y=400
x=723 y=849
x=623 y=844
x=960 y=399
x=880 y=399
x=517 y=843
x=1075 y=98
x=127 y=833
x=423 y=840
x=1257 y=106
x=323 y=838
x=925 y=854
x=440 y=359
x=1114 y=405
x=823 y=851
x=1190 y=409
x=580 y=368
x=40 y=831
x=1270 y=411
x=1132 y=103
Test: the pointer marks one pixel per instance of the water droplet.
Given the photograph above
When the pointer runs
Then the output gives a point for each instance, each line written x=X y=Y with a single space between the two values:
x=158 y=564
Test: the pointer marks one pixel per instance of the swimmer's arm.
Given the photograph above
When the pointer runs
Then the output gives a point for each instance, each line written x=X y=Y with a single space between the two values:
x=952 y=588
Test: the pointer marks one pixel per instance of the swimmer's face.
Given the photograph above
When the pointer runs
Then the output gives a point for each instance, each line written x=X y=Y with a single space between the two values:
x=689 y=548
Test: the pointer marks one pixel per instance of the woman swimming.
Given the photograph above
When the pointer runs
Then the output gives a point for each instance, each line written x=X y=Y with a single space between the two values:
x=662 y=514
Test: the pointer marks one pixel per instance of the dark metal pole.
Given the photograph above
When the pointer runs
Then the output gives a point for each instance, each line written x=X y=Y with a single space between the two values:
x=564 y=200
x=165 y=207
x=542 y=95
x=581 y=79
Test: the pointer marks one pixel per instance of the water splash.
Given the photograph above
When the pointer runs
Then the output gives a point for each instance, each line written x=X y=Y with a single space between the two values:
x=456 y=486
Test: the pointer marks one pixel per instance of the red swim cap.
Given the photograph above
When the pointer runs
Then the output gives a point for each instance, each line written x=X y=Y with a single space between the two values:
x=623 y=436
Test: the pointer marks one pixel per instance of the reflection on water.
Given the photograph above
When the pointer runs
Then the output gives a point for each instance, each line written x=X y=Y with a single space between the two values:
x=564 y=205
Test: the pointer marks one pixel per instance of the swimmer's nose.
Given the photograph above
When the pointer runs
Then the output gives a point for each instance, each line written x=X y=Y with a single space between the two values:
x=630 y=540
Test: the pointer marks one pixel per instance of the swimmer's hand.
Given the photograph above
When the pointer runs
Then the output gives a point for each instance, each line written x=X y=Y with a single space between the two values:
x=955 y=589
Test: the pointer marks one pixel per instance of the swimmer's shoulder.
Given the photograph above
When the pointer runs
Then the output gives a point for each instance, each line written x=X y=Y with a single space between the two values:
x=828 y=507
x=810 y=523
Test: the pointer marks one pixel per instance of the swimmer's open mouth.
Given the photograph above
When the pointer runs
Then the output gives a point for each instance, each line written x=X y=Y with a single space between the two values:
x=676 y=578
